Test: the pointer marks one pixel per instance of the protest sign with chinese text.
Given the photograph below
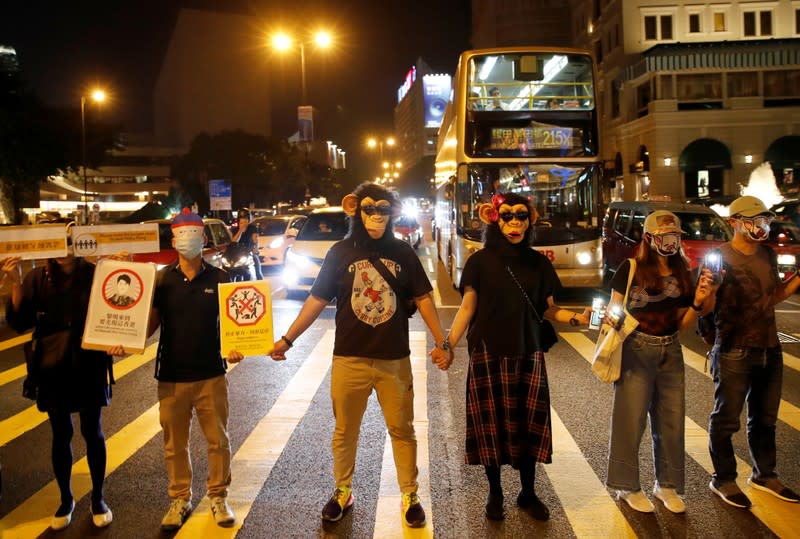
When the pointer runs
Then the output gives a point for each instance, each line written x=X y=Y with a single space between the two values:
x=245 y=313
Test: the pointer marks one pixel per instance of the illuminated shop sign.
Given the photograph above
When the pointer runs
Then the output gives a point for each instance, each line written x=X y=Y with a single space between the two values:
x=437 y=91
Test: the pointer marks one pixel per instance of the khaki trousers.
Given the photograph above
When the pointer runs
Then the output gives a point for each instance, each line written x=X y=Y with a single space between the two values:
x=352 y=382
x=209 y=400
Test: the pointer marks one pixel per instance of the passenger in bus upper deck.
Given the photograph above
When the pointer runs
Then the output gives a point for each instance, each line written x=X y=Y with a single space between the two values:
x=495 y=102
x=473 y=102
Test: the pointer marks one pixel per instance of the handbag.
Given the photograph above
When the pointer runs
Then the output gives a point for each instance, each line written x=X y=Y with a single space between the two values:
x=41 y=354
x=607 y=359
x=408 y=303
x=548 y=332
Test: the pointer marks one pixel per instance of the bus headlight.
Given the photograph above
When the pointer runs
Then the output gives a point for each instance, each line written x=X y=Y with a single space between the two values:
x=584 y=258
x=787 y=260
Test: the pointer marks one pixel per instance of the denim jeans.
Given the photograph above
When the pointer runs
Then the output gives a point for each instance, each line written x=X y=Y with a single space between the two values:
x=754 y=374
x=651 y=383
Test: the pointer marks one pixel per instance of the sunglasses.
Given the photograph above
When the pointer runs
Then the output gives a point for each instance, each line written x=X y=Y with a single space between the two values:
x=520 y=216
x=371 y=209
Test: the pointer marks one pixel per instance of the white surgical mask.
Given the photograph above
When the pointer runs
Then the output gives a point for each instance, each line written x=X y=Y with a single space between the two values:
x=190 y=246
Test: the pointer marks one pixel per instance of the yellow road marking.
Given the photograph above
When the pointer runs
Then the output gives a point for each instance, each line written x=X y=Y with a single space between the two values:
x=780 y=517
x=254 y=460
x=12 y=374
x=389 y=522
x=793 y=362
x=590 y=510
x=15 y=341
x=32 y=517
x=30 y=418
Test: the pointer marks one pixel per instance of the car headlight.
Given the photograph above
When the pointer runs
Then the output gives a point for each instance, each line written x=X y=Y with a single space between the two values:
x=398 y=235
x=297 y=260
x=290 y=277
x=787 y=260
x=584 y=258
x=277 y=242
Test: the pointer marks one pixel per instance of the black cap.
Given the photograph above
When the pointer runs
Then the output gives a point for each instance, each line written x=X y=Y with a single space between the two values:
x=243 y=212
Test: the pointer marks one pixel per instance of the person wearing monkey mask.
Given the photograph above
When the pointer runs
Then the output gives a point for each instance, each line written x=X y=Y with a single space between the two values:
x=507 y=303
x=373 y=276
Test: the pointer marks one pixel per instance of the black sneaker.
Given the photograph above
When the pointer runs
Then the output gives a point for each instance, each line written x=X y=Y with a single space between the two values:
x=341 y=500
x=494 y=506
x=529 y=500
x=774 y=487
x=413 y=511
x=730 y=493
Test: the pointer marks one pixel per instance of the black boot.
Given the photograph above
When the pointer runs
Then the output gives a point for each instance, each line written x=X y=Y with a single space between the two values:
x=494 y=501
x=527 y=498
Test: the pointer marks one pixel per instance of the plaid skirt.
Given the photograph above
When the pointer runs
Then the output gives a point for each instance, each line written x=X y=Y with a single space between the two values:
x=508 y=410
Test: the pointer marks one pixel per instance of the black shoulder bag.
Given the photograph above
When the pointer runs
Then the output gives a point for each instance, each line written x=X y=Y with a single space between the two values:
x=404 y=299
x=547 y=334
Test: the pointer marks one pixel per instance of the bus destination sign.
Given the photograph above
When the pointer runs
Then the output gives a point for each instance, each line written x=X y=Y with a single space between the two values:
x=536 y=138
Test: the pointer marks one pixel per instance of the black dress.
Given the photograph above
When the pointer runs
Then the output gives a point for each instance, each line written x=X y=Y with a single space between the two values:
x=51 y=302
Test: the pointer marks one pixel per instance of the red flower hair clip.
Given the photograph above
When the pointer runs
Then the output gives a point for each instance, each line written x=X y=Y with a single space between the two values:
x=497 y=201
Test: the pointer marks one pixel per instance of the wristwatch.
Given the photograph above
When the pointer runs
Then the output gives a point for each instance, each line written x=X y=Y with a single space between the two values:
x=697 y=308
x=445 y=344
x=574 y=322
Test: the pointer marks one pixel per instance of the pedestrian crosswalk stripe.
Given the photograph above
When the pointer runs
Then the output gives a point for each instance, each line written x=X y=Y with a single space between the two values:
x=253 y=462
x=780 y=517
x=590 y=510
x=787 y=412
x=14 y=373
x=31 y=417
x=793 y=362
x=388 y=515
x=32 y=517
x=15 y=341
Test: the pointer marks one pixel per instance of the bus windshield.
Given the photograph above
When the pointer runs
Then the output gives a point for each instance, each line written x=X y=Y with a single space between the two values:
x=563 y=196
x=530 y=81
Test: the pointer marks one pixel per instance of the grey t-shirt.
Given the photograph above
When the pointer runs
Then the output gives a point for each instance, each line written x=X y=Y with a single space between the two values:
x=745 y=313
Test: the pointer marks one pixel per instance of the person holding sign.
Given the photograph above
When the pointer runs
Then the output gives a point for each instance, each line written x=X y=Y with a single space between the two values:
x=191 y=372
x=62 y=377
x=371 y=350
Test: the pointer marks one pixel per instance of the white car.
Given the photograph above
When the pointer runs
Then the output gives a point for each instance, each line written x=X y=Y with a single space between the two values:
x=322 y=229
x=275 y=235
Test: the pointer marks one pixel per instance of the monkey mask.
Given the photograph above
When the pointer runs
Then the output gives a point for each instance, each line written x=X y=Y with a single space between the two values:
x=374 y=207
x=511 y=214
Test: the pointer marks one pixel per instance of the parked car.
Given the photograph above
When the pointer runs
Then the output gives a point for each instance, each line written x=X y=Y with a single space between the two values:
x=784 y=238
x=218 y=236
x=407 y=228
x=322 y=229
x=275 y=235
x=623 y=227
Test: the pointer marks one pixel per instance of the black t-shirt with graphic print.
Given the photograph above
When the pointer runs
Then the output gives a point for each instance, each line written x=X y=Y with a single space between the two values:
x=370 y=319
x=744 y=311
x=655 y=309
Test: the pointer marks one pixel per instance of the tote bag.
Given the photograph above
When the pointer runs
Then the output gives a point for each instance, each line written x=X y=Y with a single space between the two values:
x=607 y=360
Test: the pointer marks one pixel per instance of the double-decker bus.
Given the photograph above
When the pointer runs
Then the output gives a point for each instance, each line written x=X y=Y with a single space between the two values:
x=523 y=120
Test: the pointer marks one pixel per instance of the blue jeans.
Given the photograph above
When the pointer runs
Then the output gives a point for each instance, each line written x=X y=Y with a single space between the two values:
x=651 y=383
x=754 y=374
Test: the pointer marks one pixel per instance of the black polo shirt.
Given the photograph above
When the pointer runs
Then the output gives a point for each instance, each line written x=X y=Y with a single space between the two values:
x=189 y=347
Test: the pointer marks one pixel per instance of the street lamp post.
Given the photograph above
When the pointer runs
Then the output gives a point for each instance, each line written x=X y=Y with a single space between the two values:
x=98 y=96
x=373 y=143
x=283 y=42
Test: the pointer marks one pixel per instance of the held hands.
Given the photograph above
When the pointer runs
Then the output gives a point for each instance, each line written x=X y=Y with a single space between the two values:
x=442 y=358
x=584 y=317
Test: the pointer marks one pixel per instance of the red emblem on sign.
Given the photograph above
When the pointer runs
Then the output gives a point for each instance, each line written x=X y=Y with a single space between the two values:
x=245 y=305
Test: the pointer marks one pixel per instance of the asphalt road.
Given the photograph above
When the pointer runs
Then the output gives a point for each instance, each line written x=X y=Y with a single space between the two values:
x=280 y=428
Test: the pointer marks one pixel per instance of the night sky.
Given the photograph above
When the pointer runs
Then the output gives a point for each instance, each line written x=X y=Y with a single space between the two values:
x=63 y=46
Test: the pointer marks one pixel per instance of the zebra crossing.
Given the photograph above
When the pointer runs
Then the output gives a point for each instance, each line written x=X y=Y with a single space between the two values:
x=573 y=484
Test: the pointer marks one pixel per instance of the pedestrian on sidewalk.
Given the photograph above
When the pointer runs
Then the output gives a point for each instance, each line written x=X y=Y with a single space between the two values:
x=191 y=372
x=746 y=359
x=664 y=299
x=377 y=281
x=507 y=304
x=62 y=377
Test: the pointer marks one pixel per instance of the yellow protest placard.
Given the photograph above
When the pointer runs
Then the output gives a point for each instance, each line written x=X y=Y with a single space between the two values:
x=245 y=314
x=33 y=242
x=99 y=240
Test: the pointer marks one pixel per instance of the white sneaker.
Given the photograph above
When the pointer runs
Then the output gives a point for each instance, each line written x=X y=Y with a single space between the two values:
x=637 y=500
x=103 y=519
x=670 y=498
x=223 y=514
x=179 y=510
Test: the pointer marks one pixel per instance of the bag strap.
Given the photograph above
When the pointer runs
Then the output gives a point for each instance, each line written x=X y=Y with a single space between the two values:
x=525 y=294
x=632 y=262
x=381 y=268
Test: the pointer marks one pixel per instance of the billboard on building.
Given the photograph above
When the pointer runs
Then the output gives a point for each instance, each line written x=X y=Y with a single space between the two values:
x=305 y=123
x=436 y=91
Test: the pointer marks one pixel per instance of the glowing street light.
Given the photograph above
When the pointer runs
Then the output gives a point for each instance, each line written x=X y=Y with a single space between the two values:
x=98 y=96
x=283 y=42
